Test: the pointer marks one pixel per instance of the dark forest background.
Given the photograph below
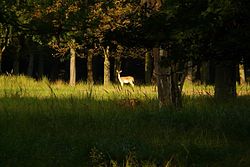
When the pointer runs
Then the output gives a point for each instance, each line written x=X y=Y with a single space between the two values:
x=156 y=41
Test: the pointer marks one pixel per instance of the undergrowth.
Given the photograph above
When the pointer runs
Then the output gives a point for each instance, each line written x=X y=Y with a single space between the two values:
x=52 y=124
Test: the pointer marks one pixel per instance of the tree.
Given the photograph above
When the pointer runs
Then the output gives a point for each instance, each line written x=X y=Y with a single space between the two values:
x=90 y=79
x=105 y=18
x=4 y=41
x=167 y=28
x=63 y=23
x=14 y=16
x=227 y=34
x=198 y=30
x=148 y=67
x=242 y=77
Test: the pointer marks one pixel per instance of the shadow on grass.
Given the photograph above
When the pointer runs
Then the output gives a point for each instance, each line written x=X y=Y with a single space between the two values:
x=63 y=131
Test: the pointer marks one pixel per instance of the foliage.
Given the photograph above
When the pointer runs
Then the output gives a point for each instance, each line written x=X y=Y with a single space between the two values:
x=229 y=28
x=60 y=23
x=194 y=29
x=107 y=17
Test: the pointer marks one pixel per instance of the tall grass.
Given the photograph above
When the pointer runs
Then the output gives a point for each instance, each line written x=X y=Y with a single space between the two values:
x=52 y=124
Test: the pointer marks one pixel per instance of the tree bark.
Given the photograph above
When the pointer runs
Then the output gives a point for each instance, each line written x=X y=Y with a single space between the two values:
x=90 y=79
x=225 y=80
x=189 y=76
x=169 y=92
x=31 y=65
x=16 y=61
x=1 y=55
x=40 y=65
x=31 y=58
x=242 y=74
x=54 y=70
x=7 y=37
x=106 y=66
x=205 y=72
x=196 y=73
x=148 y=67
x=72 y=81
x=163 y=82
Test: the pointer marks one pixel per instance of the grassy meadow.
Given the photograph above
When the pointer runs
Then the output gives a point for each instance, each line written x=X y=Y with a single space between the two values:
x=45 y=124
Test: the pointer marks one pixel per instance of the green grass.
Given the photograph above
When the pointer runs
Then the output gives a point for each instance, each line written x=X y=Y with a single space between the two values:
x=45 y=124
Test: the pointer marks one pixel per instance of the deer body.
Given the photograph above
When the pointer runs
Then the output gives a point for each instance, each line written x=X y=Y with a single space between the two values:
x=125 y=79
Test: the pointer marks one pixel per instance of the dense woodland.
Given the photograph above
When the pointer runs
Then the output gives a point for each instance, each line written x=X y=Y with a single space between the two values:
x=156 y=41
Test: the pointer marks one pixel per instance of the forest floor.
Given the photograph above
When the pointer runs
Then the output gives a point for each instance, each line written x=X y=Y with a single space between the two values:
x=47 y=124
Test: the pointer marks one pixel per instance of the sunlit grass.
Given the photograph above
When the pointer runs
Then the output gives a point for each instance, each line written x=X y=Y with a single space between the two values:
x=208 y=90
x=27 y=87
x=53 y=124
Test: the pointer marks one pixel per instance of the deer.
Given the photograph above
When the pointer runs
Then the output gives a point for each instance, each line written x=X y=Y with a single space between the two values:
x=125 y=79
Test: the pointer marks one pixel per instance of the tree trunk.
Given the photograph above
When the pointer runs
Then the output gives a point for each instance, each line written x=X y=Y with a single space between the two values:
x=205 y=72
x=196 y=73
x=117 y=67
x=1 y=55
x=31 y=65
x=72 y=81
x=148 y=67
x=31 y=58
x=189 y=69
x=54 y=70
x=242 y=74
x=16 y=61
x=169 y=92
x=106 y=67
x=8 y=33
x=163 y=80
x=225 y=80
x=90 y=79
x=40 y=66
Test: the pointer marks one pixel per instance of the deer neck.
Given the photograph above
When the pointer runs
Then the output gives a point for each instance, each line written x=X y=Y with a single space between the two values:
x=119 y=77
